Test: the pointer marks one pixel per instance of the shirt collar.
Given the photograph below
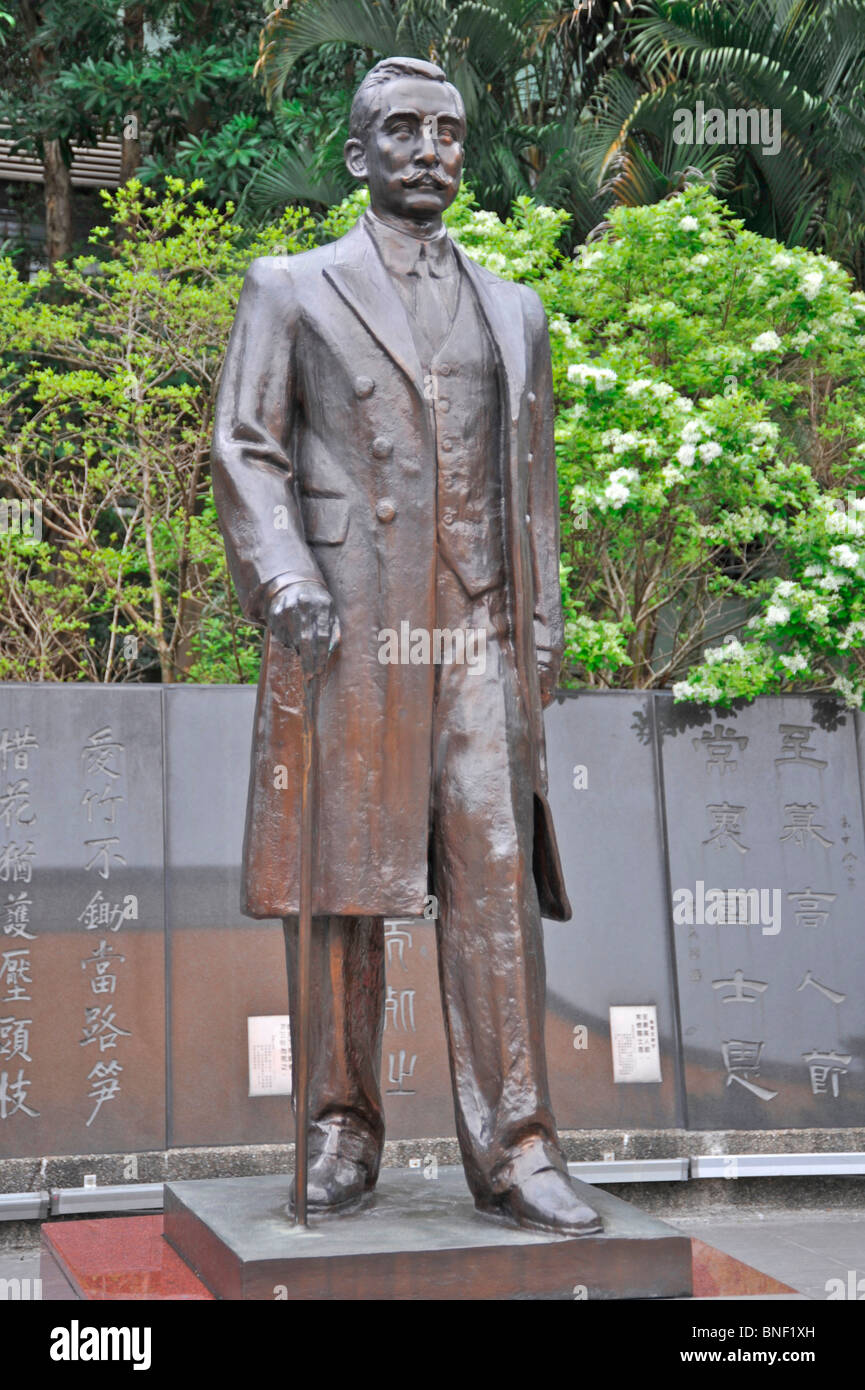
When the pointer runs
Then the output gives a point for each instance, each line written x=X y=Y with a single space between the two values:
x=400 y=251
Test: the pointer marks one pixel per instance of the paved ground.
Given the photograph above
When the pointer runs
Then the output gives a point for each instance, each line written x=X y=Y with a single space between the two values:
x=805 y=1249
x=19 y=1264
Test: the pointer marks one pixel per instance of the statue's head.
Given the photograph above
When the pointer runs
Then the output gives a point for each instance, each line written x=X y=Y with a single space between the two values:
x=406 y=134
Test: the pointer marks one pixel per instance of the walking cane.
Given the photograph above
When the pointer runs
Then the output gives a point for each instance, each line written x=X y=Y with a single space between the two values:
x=304 y=947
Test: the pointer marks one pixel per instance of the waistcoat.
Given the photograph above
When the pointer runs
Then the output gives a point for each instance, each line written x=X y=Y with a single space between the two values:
x=462 y=389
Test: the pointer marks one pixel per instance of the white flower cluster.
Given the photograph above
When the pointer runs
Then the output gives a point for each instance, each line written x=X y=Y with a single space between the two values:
x=765 y=432
x=618 y=489
x=709 y=451
x=811 y=284
x=776 y=615
x=844 y=556
x=485 y=222
x=794 y=663
x=603 y=378
x=837 y=522
x=732 y=650
x=625 y=441
x=766 y=342
x=493 y=260
x=696 y=690
x=853 y=635
x=853 y=694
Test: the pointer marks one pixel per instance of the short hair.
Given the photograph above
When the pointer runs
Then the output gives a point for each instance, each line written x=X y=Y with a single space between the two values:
x=367 y=98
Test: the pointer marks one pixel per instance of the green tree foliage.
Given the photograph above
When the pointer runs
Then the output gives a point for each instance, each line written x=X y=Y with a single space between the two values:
x=173 y=80
x=524 y=68
x=802 y=60
x=710 y=432
x=577 y=105
x=107 y=391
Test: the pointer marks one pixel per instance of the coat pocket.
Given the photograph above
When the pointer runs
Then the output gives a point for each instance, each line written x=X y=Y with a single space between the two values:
x=325 y=519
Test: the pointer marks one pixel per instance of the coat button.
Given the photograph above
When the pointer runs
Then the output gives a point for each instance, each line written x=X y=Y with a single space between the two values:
x=363 y=386
x=442 y=406
x=382 y=448
x=449 y=517
x=385 y=510
x=447 y=445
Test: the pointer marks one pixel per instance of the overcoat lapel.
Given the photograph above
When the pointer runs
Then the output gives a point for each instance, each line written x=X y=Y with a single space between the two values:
x=500 y=306
x=360 y=278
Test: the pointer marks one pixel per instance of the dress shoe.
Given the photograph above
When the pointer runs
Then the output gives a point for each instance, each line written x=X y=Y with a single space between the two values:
x=545 y=1201
x=335 y=1185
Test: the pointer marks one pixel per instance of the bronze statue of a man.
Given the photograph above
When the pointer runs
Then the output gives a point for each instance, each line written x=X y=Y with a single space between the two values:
x=383 y=463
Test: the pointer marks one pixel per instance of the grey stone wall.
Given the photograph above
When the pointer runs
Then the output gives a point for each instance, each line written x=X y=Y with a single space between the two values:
x=714 y=862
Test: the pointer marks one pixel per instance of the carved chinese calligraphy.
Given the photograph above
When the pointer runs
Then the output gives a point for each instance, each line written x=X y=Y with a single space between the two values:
x=770 y=1037
x=81 y=920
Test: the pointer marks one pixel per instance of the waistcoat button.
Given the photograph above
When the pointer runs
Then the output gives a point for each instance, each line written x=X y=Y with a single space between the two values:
x=363 y=386
x=385 y=510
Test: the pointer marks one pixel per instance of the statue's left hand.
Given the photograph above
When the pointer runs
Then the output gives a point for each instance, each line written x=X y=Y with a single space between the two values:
x=303 y=616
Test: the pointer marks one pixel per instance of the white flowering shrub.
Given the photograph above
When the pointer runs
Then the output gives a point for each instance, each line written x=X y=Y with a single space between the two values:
x=711 y=442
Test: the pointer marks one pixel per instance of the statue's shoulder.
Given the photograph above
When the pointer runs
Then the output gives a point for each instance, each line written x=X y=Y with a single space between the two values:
x=302 y=265
x=278 y=270
x=518 y=294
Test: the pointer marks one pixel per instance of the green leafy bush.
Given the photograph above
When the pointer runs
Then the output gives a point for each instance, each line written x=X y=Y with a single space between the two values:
x=711 y=439
x=710 y=434
x=108 y=379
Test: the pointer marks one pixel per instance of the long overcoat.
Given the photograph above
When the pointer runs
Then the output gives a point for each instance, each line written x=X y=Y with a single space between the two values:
x=324 y=467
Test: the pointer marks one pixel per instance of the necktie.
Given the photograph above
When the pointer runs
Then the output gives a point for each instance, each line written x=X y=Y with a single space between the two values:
x=433 y=309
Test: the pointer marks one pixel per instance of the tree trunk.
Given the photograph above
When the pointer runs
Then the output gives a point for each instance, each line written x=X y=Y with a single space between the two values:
x=58 y=203
x=133 y=43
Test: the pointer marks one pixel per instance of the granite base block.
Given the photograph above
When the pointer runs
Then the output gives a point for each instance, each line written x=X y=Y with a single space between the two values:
x=117 y=1259
x=418 y=1239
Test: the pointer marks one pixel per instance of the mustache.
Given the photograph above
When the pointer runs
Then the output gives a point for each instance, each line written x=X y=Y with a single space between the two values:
x=426 y=176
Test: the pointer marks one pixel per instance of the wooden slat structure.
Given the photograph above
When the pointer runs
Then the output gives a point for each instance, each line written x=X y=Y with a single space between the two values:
x=93 y=166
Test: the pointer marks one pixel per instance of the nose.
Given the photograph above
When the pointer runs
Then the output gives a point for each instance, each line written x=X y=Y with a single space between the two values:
x=428 y=152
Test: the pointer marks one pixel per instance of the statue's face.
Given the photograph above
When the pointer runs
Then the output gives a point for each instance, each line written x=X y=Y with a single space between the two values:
x=412 y=156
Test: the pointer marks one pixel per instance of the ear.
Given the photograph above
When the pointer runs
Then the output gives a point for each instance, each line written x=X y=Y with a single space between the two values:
x=354 y=155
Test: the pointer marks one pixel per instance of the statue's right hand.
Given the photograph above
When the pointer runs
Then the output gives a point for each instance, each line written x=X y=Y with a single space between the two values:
x=303 y=616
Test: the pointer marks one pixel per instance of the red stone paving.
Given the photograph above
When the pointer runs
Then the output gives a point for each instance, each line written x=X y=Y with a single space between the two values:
x=121 y=1257
x=716 y=1274
x=125 y=1257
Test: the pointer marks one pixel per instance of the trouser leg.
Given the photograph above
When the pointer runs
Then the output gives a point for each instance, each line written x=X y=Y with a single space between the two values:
x=347 y=1018
x=490 y=942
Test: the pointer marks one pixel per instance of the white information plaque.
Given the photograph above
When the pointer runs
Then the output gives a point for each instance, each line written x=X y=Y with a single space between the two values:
x=269 y=1055
x=634 y=1039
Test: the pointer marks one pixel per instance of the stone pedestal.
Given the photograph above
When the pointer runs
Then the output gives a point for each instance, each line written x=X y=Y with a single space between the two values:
x=418 y=1239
